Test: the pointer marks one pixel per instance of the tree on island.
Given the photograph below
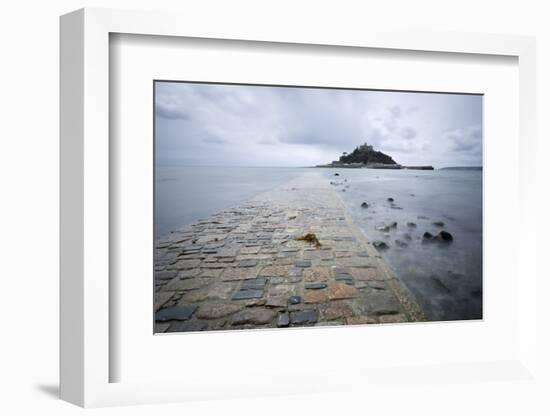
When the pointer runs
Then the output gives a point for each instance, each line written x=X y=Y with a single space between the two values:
x=367 y=155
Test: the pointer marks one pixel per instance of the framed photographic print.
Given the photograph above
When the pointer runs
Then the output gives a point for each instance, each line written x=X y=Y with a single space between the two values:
x=231 y=195
x=257 y=226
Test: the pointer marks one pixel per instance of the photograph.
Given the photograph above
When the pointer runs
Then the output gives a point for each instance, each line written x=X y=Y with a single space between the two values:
x=279 y=206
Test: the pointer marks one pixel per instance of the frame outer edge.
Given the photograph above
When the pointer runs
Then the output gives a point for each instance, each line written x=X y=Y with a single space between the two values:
x=71 y=202
x=84 y=176
x=528 y=187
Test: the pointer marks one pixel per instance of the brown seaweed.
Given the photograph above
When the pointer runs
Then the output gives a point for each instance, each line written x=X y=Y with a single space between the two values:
x=310 y=238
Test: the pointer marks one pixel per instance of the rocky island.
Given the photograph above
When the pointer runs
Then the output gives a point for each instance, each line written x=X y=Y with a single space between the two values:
x=364 y=156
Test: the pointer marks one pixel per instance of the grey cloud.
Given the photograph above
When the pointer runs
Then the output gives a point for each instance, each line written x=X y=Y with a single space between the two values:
x=215 y=140
x=465 y=139
x=395 y=111
x=279 y=126
x=170 y=113
x=408 y=133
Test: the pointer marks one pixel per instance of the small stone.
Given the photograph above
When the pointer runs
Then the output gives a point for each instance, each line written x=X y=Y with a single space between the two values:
x=369 y=273
x=377 y=284
x=248 y=294
x=411 y=224
x=427 y=236
x=304 y=317
x=439 y=223
x=294 y=300
x=276 y=280
x=355 y=262
x=303 y=263
x=381 y=303
x=215 y=311
x=238 y=273
x=187 y=264
x=380 y=245
x=275 y=271
x=317 y=274
x=315 y=296
x=161 y=298
x=175 y=313
x=165 y=275
x=281 y=290
x=186 y=284
x=211 y=273
x=186 y=274
x=315 y=285
x=283 y=320
x=360 y=285
x=209 y=250
x=364 y=205
x=336 y=310
x=227 y=252
x=249 y=250
x=390 y=199
x=276 y=302
x=444 y=236
x=295 y=272
x=392 y=224
x=248 y=263
x=401 y=244
x=161 y=327
x=342 y=291
x=343 y=278
x=258 y=283
x=257 y=316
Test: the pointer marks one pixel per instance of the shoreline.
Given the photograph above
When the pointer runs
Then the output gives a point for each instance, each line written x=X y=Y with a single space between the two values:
x=243 y=269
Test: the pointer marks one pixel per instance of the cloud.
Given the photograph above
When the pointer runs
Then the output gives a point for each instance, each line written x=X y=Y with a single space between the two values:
x=465 y=139
x=171 y=108
x=283 y=126
x=215 y=140
x=408 y=133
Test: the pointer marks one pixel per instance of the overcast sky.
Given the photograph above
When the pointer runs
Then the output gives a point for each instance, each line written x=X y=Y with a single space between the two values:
x=234 y=125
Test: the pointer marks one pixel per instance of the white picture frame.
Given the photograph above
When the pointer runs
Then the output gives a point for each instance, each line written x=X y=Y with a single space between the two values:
x=86 y=356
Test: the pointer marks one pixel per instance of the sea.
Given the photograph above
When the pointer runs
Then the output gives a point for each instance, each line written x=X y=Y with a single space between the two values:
x=445 y=278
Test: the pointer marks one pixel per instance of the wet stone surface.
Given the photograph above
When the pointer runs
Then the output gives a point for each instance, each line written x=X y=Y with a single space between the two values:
x=243 y=267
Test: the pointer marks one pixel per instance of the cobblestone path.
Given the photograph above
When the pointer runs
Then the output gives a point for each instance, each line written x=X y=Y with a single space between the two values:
x=243 y=268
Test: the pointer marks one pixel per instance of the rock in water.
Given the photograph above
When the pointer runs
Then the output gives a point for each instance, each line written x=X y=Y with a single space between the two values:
x=336 y=174
x=401 y=243
x=427 y=236
x=364 y=205
x=393 y=224
x=439 y=224
x=380 y=245
x=444 y=236
x=390 y=199
x=411 y=224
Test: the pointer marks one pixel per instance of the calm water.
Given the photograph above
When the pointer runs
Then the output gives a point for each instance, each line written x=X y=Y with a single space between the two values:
x=186 y=194
x=445 y=278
